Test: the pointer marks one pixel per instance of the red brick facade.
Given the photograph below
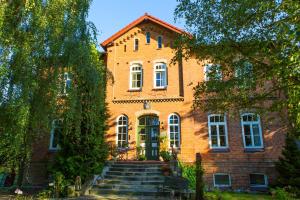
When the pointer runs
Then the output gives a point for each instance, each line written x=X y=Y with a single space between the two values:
x=177 y=97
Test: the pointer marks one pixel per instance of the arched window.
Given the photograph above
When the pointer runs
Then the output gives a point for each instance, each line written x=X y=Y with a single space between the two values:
x=55 y=135
x=122 y=131
x=174 y=130
x=251 y=129
x=217 y=130
x=136 y=76
x=160 y=75
x=148 y=37
x=159 y=42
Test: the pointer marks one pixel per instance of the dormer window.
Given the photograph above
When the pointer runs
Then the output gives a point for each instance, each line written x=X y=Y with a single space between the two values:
x=159 y=42
x=148 y=36
x=136 y=44
x=136 y=76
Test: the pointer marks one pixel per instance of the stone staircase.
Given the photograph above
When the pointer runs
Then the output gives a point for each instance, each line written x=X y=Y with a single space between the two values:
x=131 y=180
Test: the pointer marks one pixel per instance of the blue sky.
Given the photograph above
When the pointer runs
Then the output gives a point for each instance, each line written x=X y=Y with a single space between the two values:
x=109 y=16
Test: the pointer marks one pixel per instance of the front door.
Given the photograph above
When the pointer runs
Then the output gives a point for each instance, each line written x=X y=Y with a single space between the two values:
x=148 y=136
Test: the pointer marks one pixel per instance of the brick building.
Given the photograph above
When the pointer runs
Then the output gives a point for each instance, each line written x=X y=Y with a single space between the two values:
x=150 y=97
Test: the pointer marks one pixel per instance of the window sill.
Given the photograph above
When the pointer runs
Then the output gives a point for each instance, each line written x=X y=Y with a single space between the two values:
x=158 y=48
x=253 y=150
x=219 y=150
x=134 y=90
x=261 y=188
x=162 y=88
x=53 y=150
x=223 y=187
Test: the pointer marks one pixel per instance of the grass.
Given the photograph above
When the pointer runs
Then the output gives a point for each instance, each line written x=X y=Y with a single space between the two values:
x=238 y=196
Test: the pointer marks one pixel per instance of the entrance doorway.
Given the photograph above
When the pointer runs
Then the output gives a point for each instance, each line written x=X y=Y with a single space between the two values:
x=148 y=136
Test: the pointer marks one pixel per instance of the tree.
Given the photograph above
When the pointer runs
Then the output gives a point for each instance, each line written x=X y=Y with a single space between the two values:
x=255 y=46
x=233 y=33
x=39 y=41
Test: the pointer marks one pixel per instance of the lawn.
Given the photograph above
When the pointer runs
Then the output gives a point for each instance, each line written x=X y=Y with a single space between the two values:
x=238 y=196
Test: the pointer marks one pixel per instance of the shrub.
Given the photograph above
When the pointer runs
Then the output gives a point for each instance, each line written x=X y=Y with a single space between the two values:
x=166 y=156
x=282 y=194
x=288 y=166
x=189 y=172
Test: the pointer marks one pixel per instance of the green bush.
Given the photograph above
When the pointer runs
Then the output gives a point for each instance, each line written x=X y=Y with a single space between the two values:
x=189 y=172
x=166 y=156
x=282 y=194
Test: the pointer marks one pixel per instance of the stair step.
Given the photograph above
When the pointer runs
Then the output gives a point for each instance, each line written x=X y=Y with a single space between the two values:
x=125 y=197
x=108 y=181
x=128 y=187
x=134 y=178
x=117 y=173
x=140 y=166
x=144 y=192
x=122 y=169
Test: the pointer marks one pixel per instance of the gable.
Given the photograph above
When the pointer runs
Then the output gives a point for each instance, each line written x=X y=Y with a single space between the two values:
x=144 y=18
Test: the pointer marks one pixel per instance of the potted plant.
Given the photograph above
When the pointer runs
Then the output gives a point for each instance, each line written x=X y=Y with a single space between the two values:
x=166 y=156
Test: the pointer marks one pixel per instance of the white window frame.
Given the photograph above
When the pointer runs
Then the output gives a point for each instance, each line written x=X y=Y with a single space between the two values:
x=179 y=130
x=148 y=34
x=117 y=130
x=265 y=178
x=217 y=185
x=161 y=43
x=251 y=123
x=53 y=127
x=207 y=71
x=162 y=71
x=131 y=76
x=218 y=134
x=66 y=79
x=136 y=47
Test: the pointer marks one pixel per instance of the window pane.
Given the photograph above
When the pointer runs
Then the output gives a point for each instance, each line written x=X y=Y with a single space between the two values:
x=212 y=119
x=248 y=140
x=214 y=141
x=255 y=129
x=257 y=179
x=222 y=141
x=148 y=37
x=142 y=121
x=222 y=179
x=257 y=141
x=213 y=129
x=221 y=130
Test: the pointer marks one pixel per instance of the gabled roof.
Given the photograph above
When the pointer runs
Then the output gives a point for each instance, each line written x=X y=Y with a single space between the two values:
x=145 y=17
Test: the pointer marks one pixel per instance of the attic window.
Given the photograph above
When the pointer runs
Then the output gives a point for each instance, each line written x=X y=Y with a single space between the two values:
x=148 y=37
x=136 y=44
x=159 y=42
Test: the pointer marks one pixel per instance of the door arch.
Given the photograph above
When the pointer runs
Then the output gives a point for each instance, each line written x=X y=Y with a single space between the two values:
x=148 y=136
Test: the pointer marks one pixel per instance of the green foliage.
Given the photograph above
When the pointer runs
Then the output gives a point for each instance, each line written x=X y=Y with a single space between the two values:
x=288 y=167
x=231 y=34
x=189 y=172
x=166 y=155
x=256 y=45
x=39 y=41
x=218 y=195
x=281 y=194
